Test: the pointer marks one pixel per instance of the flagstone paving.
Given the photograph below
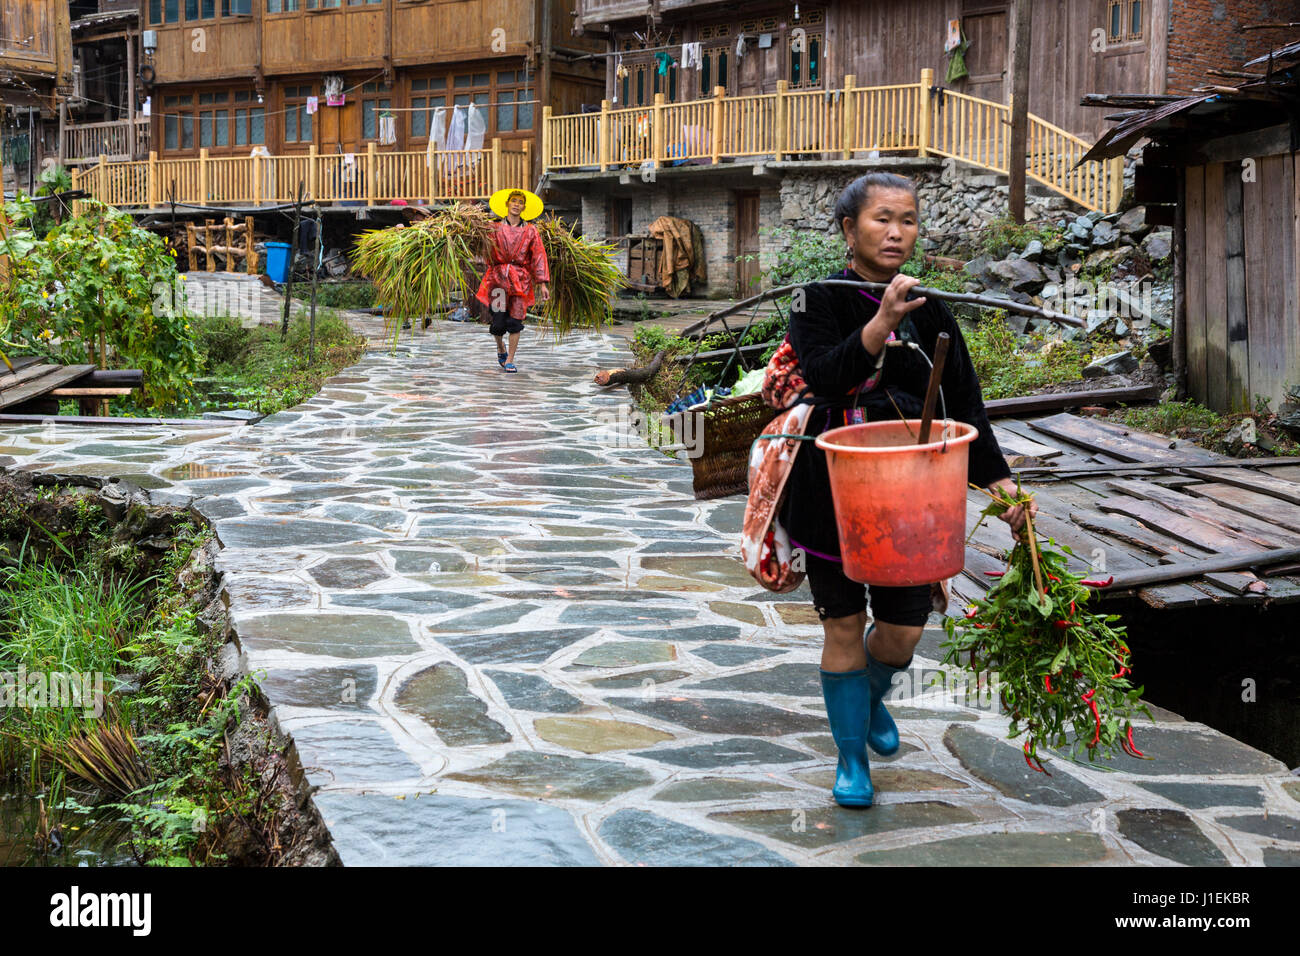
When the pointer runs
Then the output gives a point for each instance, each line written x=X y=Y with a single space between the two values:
x=500 y=632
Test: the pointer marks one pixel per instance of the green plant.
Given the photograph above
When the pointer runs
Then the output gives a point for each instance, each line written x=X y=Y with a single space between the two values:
x=1058 y=666
x=806 y=257
x=1006 y=369
x=97 y=282
x=1004 y=235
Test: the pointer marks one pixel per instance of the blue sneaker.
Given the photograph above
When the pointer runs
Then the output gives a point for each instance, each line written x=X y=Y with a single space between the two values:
x=501 y=357
x=509 y=366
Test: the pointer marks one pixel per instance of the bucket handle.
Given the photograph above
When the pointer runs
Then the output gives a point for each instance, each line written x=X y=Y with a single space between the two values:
x=943 y=404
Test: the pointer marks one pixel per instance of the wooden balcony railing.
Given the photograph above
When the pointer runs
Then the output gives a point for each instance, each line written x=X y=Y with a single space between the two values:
x=118 y=140
x=369 y=178
x=831 y=124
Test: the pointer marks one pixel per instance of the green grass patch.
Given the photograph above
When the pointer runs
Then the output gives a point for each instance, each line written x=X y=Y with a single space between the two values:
x=257 y=369
x=338 y=295
x=1006 y=369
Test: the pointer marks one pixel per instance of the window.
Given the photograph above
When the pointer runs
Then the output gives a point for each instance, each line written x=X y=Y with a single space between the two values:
x=514 y=107
x=297 y=121
x=357 y=3
x=323 y=4
x=164 y=11
x=281 y=6
x=209 y=115
x=806 y=61
x=372 y=104
x=713 y=70
x=214 y=124
x=200 y=9
x=1125 y=21
x=426 y=96
x=236 y=8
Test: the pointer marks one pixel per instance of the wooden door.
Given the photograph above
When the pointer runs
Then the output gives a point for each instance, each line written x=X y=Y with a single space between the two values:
x=987 y=59
x=340 y=134
x=748 y=277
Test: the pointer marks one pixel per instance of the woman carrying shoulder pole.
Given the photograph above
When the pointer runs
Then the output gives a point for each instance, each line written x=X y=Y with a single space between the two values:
x=840 y=341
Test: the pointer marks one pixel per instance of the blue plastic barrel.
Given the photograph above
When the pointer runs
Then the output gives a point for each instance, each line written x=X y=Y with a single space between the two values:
x=277 y=261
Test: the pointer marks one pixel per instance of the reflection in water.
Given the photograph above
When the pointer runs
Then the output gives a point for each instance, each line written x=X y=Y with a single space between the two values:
x=193 y=469
x=30 y=837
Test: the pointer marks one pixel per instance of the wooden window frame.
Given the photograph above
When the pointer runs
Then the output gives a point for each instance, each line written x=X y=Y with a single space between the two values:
x=804 y=55
x=1126 y=36
x=193 y=113
x=375 y=96
x=297 y=101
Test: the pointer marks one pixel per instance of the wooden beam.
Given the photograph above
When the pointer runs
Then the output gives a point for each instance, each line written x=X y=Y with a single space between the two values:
x=88 y=392
x=1194 y=569
x=1004 y=407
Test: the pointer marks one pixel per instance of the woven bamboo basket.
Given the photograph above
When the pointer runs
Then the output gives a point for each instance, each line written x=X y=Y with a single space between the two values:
x=725 y=430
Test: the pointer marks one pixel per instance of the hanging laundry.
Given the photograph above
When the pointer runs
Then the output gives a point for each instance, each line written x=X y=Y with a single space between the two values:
x=740 y=46
x=475 y=128
x=313 y=104
x=665 y=61
x=387 y=129
x=692 y=55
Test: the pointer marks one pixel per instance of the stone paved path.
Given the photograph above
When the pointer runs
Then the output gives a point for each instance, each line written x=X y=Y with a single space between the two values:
x=498 y=634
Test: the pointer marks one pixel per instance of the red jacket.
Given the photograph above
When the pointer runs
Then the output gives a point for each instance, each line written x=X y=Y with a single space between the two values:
x=516 y=262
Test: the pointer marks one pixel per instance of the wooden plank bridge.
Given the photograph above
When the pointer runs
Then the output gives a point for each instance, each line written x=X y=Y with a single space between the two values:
x=1187 y=504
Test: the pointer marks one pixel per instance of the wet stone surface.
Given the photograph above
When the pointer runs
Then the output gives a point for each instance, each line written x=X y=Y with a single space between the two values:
x=440 y=696
x=1171 y=834
x=497 y=638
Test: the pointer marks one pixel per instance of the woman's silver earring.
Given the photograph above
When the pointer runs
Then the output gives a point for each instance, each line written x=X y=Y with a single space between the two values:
x=848 y=253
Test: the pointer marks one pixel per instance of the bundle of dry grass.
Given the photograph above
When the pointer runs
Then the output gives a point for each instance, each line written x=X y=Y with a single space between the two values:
x=418 y=270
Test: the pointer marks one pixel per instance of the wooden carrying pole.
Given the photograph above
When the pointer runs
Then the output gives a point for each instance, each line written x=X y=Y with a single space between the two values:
x=932 y=390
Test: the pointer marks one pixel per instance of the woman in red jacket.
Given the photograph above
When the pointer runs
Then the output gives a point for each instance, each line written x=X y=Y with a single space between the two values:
x=839 y=339
x=516 y=262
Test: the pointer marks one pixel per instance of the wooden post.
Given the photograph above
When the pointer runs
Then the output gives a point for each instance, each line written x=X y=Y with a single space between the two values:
x=151 y=182
x=495 y=168
x=925 y=117
x=203 y=177
x=230 y=244
x=130 y=95
x=257 y=181
x=528 y=158
x=101 y=179
x=371 y=166
x=603 y=137
x=313 y=172
x=658 y=144
x=191 y=240
x=1019 y=111
x=719 y=114
x=778 y=119
x=1116 y=183
x=547 y=148
x=250 y=248
x=848 y=118
x=208 y=243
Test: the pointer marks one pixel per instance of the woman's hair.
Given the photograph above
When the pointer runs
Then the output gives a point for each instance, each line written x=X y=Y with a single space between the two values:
x=858 y=193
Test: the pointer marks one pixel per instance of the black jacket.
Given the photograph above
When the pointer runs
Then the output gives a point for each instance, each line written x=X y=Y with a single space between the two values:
x=826 y=337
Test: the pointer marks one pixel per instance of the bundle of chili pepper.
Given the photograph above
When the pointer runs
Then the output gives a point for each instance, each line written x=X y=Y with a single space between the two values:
x=1058 y=667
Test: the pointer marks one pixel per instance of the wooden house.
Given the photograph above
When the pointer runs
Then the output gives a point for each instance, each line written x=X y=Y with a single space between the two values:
x=1223 y=168
x=347 y=97
x=781 y=87
x=35 y=69
x=102 y=114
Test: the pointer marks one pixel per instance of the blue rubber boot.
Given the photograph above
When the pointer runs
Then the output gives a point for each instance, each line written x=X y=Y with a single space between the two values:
x=883 y=736
x=848 y=707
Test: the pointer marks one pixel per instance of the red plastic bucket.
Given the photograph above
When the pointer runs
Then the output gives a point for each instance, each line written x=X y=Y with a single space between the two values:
x=900 y=507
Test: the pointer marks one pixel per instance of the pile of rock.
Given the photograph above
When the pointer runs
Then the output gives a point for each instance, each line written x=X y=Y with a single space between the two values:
x=1130 y=301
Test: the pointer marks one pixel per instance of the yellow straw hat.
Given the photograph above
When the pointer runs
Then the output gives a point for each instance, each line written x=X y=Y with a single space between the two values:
x=532 y=203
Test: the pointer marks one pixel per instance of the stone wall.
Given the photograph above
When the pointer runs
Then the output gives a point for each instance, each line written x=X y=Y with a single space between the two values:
x=955 y=205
